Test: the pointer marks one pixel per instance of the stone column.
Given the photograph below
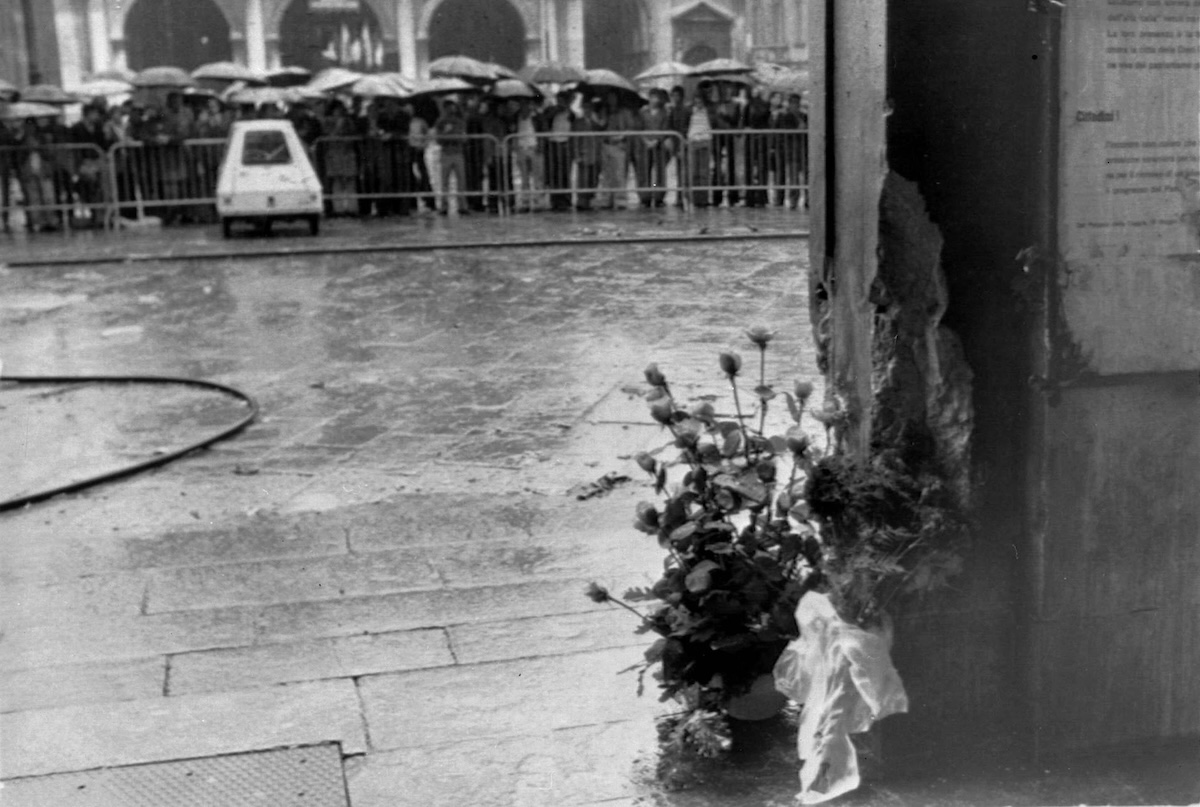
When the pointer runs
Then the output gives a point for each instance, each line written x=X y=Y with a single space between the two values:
x=97 y=24
x=406 y=37
x=572 y=32
x=256 y=36
x=550 y=29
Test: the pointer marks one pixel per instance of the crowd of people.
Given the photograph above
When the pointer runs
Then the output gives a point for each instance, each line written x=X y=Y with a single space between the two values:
x=580 y=148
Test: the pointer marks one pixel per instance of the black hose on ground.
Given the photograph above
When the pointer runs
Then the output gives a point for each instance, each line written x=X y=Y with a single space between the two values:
x=153 y=462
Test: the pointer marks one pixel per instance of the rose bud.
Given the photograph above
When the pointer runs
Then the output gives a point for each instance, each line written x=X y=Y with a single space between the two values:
x=647 y=515
x=803 y=390
x=760 y=336
x=654 y=376
x=663 y=411
x=704 y=412
x=645 y=462
x=765 y=471
x=797 y=441
x=731 y=364
x=597 y=593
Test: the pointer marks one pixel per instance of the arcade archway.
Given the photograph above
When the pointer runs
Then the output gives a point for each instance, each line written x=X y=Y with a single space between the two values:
x=184 y=33
x=614 y=36
x=316 y=36
x=489 y=30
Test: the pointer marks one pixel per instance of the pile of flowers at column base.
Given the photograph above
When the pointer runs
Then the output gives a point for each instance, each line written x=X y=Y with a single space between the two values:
x=780 y=557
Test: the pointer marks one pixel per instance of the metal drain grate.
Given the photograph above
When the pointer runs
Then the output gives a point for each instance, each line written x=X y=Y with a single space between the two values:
x=310 y=776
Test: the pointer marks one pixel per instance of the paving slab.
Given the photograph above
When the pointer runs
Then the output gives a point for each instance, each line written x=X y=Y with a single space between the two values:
x=129 y=732
x=233 y=668
x=605 y=627
x=503 y=699
x=562 y=767
x=71 y=684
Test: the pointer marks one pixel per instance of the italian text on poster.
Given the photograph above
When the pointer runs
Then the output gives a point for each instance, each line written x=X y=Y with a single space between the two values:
x=1130 y=129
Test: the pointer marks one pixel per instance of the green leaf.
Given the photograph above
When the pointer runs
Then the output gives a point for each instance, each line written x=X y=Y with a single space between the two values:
x=641 y=594
x=655 y=651
x=764 y=392
x=793 y=407
x=683 y=532
x=700 y=577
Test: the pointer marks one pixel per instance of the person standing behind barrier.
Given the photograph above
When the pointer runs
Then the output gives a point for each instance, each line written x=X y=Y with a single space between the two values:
x=792 y=148
x=775 y=148
x=614 y=154
x=175 y=126
x=8 y=169
x=473 y=152
x=450 y=132
x=650 y=154
x=589 y=151
x=699 y=141
x=724 y=115
x=494 y=129
x=35 y=172
x=418 y=140
x=756 y=115
x=340 y=161
x=527 y=165
x=559 y=121
x=89 y=134
x=679 y=113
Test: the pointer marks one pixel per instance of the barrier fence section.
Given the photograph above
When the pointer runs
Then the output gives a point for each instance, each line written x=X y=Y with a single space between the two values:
x=72 y=185
x=757 y=167
x=594 y=169
x=54 y=186
x=386 y=176
x=176 y=182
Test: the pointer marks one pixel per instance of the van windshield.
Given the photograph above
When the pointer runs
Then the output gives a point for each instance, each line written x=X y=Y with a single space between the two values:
x=265 y=148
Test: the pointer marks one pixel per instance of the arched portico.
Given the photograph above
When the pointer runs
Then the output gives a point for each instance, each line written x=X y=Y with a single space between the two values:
x=379 y=16
x=505 y=31
x=184 y=33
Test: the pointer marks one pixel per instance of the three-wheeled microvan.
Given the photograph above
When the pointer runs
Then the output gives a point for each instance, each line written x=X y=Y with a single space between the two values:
x=266 y=176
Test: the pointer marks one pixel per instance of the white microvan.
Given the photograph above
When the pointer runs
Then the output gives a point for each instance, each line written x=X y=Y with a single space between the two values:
x=266 y=176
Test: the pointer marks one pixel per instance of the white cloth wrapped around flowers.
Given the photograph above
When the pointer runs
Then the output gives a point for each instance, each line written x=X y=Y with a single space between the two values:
x=844 y=677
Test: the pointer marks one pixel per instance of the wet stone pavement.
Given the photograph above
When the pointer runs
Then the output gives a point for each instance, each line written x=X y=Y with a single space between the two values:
x=392 y=556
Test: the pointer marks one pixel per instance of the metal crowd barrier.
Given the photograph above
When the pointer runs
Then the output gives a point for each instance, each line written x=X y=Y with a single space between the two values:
x=582 y=170
x=69 y=185
x=361 y=175
x=176 y=182
x=758 y=167
x=54 y=186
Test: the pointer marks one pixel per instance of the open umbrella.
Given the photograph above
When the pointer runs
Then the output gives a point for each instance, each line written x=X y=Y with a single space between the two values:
x=28 y=109
x=228 y=72
x=715 y=67
x=102 y=87
x=601 y=79
x=163 y=77
x=441 y=85
x=292 y=76
x=115 y=74
x=382 y=85
x=256 y=96
x=333 y=78
x=780 y=78
x=48 y=94
x=551 y=73
x=514 y=88
x=499 y=70
x=664 y=70
x=7 y=90
x=463 y=67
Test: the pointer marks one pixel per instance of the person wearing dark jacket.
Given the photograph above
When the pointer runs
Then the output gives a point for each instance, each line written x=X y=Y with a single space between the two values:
x=756 y=115
x=92 y=138
x=557 y=122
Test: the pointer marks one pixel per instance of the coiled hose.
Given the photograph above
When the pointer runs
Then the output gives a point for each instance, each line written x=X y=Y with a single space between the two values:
x=153 y=462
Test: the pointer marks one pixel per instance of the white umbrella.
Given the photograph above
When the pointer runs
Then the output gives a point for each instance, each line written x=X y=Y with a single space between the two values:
x=28 y=109
x=228 y=71
x=333 y=78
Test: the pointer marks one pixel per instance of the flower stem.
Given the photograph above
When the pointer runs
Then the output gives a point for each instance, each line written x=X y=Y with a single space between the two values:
x=737 y=404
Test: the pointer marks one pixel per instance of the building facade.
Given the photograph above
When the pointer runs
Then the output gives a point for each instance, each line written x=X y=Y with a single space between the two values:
x=625 y=35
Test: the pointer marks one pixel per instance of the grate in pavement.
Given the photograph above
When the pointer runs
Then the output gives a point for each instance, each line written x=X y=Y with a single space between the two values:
x=309 y=776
